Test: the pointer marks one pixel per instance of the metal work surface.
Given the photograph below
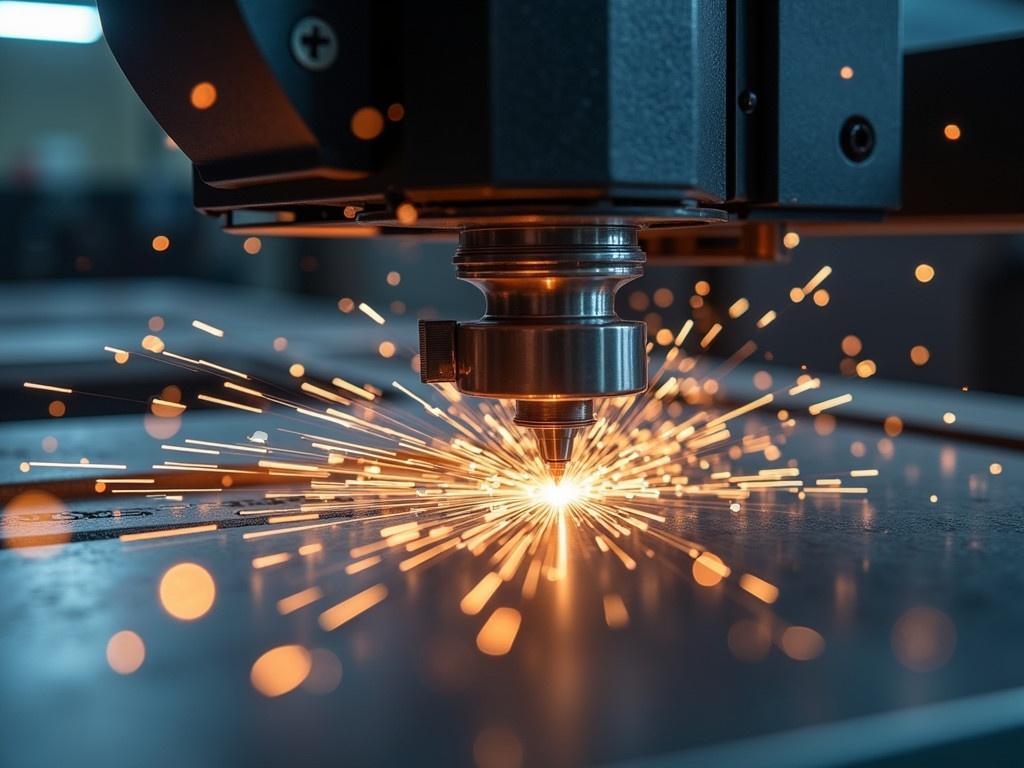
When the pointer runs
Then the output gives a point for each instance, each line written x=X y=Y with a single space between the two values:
x=916 y=602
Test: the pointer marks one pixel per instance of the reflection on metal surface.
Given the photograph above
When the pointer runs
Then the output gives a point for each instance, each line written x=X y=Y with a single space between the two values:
x=802 y=643
x=923 y=639
x=281 y=670
x=499 y=631
x=125 y=652
x=27 y=507
x=616 y=615
x=187 y=591
x=298 y=600
x=348 y=609
x=324 y=672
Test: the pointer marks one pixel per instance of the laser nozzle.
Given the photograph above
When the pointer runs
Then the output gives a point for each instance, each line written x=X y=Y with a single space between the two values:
x=555 y=424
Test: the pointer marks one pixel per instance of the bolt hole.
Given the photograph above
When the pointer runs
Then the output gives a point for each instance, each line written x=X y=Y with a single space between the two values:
x=857 y=139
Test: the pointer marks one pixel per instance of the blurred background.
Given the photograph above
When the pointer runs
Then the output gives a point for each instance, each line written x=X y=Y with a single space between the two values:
x=100 y=245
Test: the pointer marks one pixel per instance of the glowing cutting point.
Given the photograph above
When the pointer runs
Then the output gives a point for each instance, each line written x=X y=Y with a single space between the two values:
x=559 y=495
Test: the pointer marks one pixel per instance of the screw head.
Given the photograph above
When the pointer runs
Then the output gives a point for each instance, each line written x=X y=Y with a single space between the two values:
x=747 y=102
x=314 y=43
x=857 y=139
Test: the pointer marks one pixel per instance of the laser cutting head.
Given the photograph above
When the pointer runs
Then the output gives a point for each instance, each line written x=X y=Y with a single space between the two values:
x=547 y=138
x=550 y=338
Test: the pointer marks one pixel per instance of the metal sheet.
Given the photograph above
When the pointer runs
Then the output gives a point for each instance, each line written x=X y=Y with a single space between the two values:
x=415 y=689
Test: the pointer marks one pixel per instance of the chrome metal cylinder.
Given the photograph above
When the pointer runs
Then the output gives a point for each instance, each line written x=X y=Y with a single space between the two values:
x=549 y=338
x=550 y=328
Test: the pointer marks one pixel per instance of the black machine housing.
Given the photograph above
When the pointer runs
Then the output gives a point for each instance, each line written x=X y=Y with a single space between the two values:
x=635 y=110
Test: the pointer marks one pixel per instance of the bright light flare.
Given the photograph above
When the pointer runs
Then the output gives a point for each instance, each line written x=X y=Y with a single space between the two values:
x=560 y=495
x=49 y=22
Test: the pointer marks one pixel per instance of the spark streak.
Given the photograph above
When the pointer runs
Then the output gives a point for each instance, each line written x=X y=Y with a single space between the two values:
x=207 y=328
x=824 y=405
x=348 y=609
x=167 y=533
x=48 y=388
x=371 y=313
x=230 y=404
x=75 y=465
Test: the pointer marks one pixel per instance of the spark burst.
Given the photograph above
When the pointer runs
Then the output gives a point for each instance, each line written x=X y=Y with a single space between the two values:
x=459 y=479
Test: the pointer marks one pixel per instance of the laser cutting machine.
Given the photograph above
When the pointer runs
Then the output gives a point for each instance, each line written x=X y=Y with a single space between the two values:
x=561 y=139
